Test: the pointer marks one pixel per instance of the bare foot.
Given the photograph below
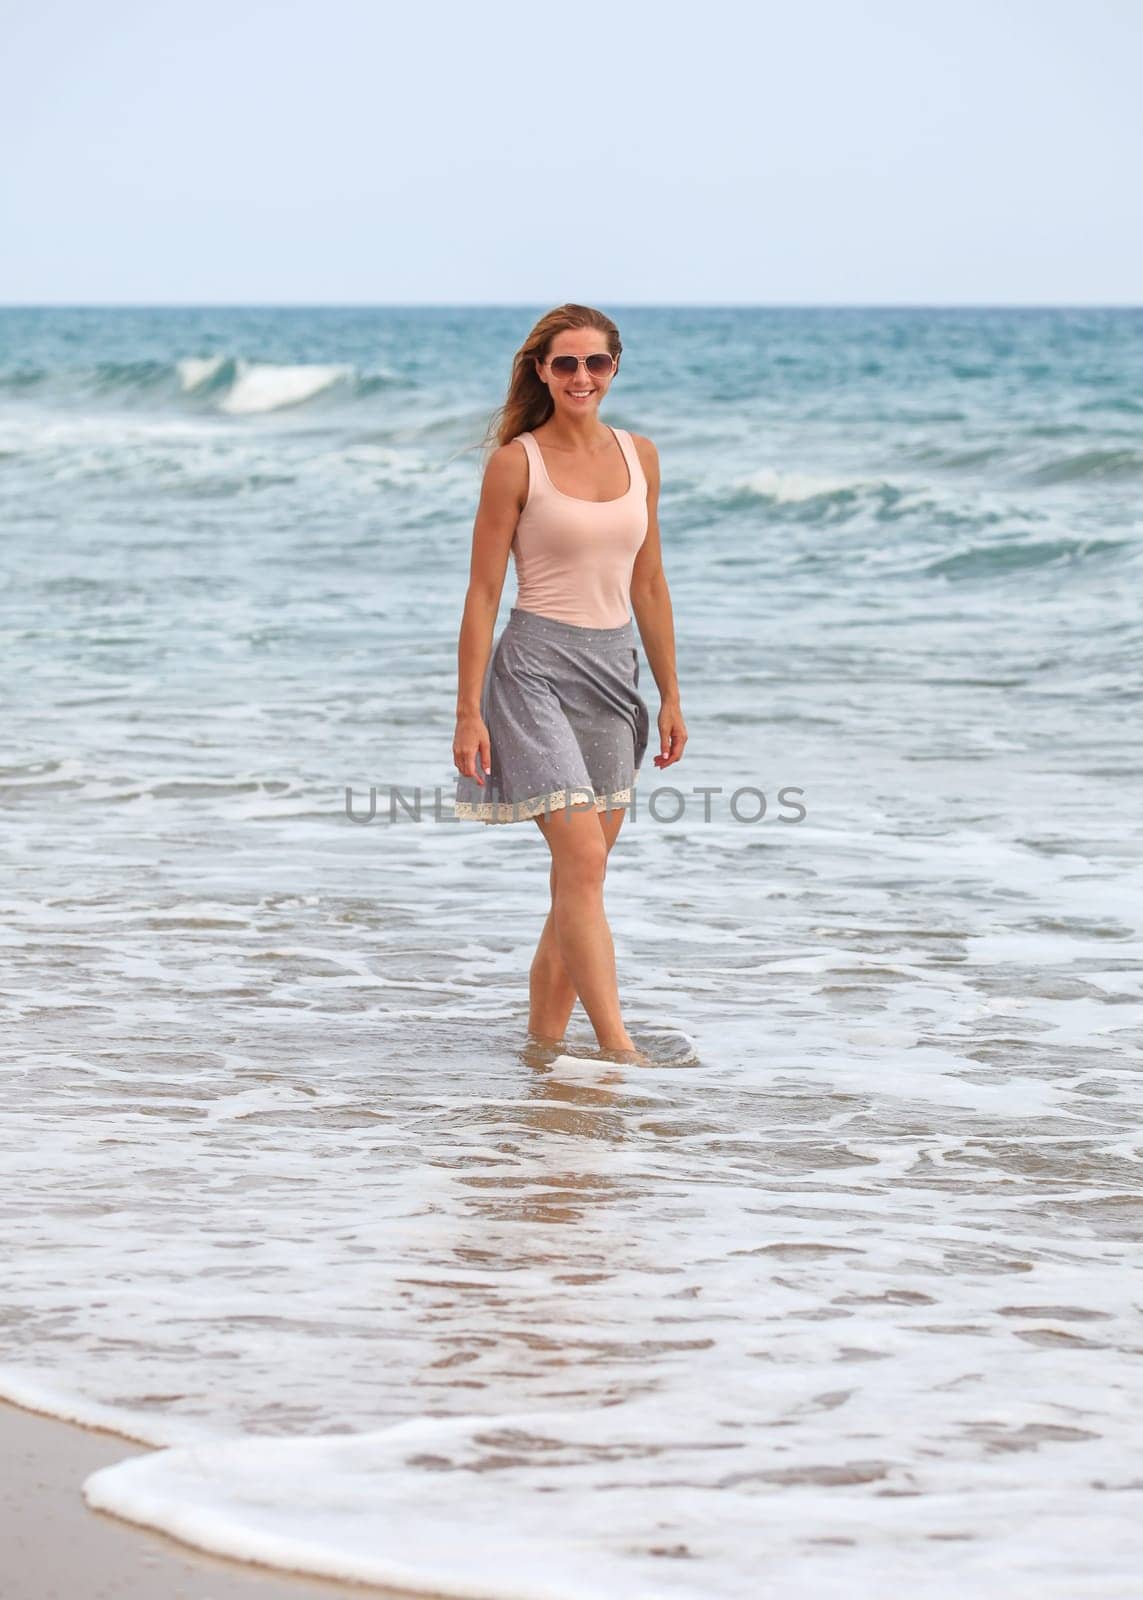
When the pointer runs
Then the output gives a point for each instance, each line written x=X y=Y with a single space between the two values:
x=538 y=1051
x=634 y=1057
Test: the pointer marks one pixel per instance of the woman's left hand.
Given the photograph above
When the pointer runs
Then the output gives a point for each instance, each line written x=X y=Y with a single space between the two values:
x=672 y=734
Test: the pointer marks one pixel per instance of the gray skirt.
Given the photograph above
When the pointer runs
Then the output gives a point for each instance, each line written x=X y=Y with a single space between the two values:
x=565 y=720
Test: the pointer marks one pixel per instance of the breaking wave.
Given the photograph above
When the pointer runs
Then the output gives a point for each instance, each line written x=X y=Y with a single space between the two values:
x=230 y=385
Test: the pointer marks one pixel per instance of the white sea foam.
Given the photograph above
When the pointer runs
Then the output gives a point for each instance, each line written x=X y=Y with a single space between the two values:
x=790 y=486
x=263 y=386
x=645 y=1502
x=258 y=386
x=194 y=371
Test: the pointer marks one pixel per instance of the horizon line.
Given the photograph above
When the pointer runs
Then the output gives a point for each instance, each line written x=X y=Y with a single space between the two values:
x=520 y=305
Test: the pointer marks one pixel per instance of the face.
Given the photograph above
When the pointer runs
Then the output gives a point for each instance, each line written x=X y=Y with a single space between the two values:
x=582 y=390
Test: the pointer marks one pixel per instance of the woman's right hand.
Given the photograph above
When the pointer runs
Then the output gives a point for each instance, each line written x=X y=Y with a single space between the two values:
x=471 y=736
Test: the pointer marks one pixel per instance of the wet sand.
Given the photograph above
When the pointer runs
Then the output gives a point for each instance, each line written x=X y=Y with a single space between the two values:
x=56 y=1547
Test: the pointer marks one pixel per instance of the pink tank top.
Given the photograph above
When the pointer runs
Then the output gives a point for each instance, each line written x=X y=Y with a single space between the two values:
x=574 y=557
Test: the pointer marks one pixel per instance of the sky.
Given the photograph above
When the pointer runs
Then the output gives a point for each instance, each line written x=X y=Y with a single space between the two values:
x=813 y=152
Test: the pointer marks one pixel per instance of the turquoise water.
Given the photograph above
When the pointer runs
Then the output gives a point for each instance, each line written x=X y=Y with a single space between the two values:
x=839 y=1281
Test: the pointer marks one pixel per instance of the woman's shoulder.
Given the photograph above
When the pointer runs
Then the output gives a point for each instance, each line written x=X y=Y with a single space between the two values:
x=647 y=453
x=508 y=457
x=506 y=470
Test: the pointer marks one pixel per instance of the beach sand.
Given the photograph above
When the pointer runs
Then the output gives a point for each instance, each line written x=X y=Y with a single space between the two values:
x=57 y=1548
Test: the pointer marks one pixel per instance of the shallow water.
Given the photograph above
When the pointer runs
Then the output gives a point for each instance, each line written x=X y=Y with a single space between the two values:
x=859 y=1250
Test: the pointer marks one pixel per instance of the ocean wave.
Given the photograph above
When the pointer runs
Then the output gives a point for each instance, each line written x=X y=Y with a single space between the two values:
x=241 y=387
x=1012 y=556
x=1120 y=463
x=786 y=488
x=958 y=458
x=805 y=497
x=229 y=385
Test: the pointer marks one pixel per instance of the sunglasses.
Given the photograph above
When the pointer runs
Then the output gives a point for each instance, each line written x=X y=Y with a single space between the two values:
x=599 y=365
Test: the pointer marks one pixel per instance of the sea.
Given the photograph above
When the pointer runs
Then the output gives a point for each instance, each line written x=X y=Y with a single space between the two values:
x=840 y=1293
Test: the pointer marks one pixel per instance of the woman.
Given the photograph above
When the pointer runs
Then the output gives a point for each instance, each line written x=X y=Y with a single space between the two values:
x=554 y=712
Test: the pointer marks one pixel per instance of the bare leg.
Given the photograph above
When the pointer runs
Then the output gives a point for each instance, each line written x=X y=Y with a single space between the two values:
x=551 y=990
x=579 y=861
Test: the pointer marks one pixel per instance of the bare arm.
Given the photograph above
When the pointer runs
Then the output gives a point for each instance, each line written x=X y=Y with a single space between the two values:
x=650 y=597
x=651 y=603
x=502 y=497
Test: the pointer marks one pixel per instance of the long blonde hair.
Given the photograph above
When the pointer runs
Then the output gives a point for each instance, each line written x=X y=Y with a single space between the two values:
x=528 y=402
